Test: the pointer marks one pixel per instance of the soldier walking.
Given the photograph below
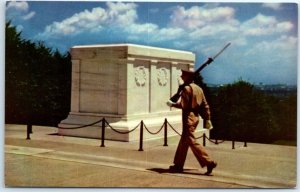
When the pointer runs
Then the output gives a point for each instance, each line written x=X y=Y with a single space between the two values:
x=192 y=101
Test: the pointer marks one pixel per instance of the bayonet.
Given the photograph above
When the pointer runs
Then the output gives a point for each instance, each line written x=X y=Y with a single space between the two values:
x=175 y=97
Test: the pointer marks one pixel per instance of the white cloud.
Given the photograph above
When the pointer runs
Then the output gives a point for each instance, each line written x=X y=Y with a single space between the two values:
x=284 y=26
x=20 y=27
x=284 y=44
x=141 y=28
x=185 y=24
x=19 y=10
x=122 y=13
x=260 y=40
x=18 y=6
x=275 y=60
x=212 y=30
x=28 y=16
x=154 y=10
x=266 y=37
x=198 y=17
x=220 y=22
x=265 y=25
x=78 y=22
x=274 y=6
x=153 y=32
x=282 y=47
x=123 y=16
x=166 y=34
x=117 y=14
x=188 y=25
x=209 y=23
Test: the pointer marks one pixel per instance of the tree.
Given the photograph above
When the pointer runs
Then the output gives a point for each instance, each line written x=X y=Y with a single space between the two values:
x=286 y=114
x=37 y=81
x=243 y=113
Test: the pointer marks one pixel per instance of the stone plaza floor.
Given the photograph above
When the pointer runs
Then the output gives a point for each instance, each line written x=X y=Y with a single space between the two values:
x=49 y=160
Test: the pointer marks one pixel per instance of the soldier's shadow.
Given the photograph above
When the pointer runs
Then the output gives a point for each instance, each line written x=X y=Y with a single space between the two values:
x=185 y=171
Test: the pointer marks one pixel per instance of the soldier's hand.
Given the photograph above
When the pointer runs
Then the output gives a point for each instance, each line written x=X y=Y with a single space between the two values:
x=208 y=124
x=170 y=103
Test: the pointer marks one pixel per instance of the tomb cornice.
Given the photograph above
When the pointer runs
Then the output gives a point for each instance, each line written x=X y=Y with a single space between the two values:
x=124 y=51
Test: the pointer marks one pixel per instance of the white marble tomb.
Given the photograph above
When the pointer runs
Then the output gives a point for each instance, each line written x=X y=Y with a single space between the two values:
x=125 y=83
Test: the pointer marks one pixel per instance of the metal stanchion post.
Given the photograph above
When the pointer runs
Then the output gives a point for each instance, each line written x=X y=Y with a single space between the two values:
x=29 y=129
x=103 y=133
x=166 y=133
x=204 y=143
x=233 y=145
x=141 y=136
x=245 y=144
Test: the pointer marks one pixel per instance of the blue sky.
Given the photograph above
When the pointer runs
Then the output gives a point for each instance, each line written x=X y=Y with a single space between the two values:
x=263 y=36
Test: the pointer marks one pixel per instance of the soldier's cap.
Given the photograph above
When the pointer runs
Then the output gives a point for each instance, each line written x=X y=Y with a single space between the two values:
x=188 y=72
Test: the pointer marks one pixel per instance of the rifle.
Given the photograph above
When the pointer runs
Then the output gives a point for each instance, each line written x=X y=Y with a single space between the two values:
x=175 y=97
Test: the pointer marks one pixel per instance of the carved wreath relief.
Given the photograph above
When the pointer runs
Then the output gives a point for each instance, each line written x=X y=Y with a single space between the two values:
x=162 y=76
x=140 y=76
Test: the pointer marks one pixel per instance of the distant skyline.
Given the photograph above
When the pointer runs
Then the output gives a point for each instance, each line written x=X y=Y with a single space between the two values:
x=264 y=36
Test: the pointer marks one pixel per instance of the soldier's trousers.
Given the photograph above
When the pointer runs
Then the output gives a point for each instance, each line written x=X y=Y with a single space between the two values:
x=188 y=140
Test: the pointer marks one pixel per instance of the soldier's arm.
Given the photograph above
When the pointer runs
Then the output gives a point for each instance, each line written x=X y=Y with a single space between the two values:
x=184 y=99
x=206 y=109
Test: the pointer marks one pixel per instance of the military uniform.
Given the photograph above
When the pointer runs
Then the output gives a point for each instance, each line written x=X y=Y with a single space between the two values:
x=192 y=101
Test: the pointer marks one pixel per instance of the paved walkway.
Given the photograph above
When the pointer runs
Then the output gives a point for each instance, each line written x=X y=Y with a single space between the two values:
x=49 y=160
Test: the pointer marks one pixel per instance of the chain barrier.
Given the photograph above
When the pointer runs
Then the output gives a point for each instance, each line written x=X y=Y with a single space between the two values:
x=155 y=132
x=179 y=133
x=82 y=125
x=199 y=137
x=142 y=126
x=173 y=128
x=215 y=142
x=219 y=142
x=122 y=132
